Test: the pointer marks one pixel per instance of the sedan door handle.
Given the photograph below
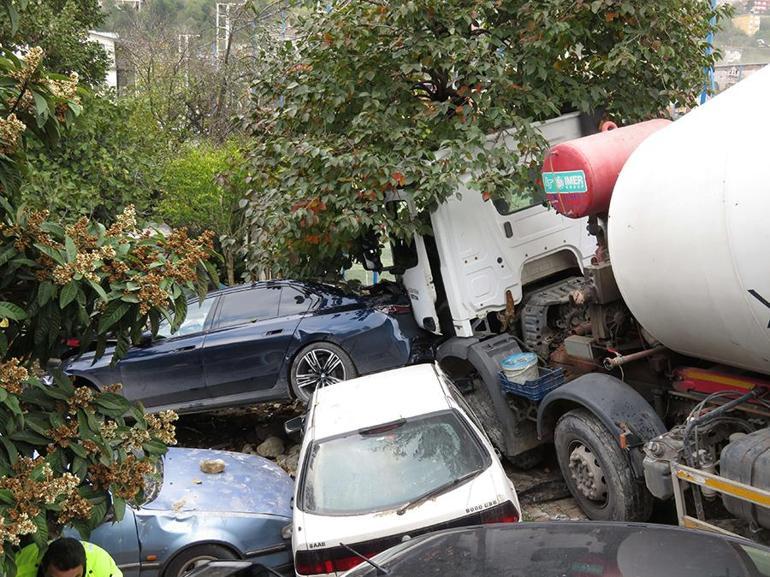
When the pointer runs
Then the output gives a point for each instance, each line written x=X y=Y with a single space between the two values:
x=179 y=350
x=275 y=332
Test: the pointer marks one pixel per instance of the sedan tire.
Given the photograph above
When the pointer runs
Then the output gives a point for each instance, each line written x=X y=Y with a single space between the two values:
x=195 y=557
x=319 y=365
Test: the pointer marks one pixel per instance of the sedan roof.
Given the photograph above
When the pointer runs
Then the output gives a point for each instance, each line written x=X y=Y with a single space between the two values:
x=377 y=399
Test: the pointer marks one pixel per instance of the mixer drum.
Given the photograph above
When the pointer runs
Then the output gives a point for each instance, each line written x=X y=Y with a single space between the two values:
x=689 y=234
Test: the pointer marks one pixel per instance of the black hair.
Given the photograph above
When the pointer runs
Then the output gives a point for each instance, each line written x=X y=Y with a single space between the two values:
x=65 y=553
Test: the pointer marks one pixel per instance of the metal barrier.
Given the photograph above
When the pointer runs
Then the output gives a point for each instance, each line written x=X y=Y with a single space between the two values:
x=682 y=473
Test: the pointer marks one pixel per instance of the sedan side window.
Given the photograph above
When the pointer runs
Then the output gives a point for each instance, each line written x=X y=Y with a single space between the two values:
x=193 y=322
x=293 y=302
x=248 y=306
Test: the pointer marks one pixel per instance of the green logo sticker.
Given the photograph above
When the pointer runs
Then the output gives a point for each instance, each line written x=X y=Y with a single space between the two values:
x=567 y=182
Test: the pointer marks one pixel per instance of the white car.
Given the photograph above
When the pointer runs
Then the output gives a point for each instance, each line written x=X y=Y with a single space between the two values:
x=387 y=457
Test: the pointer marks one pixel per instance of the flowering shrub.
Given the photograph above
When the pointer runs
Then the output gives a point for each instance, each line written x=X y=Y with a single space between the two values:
x=69 y=455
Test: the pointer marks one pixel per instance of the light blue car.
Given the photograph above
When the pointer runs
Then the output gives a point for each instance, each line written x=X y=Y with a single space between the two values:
x=197 y=517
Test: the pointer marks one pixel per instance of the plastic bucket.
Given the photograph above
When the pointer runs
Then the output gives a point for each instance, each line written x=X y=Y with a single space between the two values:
x=520 y=368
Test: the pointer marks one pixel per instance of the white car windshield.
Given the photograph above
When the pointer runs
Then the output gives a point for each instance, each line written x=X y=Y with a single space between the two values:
x=390 y=465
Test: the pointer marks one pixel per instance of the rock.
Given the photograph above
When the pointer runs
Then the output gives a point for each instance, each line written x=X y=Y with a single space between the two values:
x=248 y=448
x=272 y=447
x=289 y=463
x=294 y=450
x=212 y=466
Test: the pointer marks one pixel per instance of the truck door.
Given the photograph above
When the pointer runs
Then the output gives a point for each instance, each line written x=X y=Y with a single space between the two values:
x=417 y=277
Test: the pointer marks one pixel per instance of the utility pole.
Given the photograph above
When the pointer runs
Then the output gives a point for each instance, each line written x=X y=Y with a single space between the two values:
x=183 y=48
x=224 y=27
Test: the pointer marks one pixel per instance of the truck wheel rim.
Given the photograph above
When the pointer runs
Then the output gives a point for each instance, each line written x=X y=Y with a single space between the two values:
x=318 y=368
x=586 y=472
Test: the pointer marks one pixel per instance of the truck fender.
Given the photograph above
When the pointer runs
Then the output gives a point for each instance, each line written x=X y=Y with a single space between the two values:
x=514 y=436
x=618 y=406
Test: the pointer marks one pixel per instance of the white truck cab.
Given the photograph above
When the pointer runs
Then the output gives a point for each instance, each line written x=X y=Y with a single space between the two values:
x=481 y=253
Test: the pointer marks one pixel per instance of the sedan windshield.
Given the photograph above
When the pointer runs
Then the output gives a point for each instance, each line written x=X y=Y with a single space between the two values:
x=390 y=466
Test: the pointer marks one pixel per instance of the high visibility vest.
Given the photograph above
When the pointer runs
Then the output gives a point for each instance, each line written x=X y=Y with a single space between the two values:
x=98 y=562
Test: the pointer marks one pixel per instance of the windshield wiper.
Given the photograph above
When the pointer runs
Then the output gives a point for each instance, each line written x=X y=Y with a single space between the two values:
x=438 y=490
x=379 y=570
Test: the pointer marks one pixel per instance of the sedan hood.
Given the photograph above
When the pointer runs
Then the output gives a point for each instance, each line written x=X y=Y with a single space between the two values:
x=248 y=484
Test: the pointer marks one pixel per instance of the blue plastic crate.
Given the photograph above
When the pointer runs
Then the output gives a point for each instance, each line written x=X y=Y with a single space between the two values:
x=535 y=390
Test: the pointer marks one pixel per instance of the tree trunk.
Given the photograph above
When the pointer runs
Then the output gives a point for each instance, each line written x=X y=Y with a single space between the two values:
x=230 y=265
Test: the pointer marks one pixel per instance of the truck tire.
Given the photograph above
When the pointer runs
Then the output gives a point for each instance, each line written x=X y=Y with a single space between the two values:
x=596 y=470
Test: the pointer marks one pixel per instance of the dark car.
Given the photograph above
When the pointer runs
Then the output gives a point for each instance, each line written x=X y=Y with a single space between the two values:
x=568 y=549
x=261 y=342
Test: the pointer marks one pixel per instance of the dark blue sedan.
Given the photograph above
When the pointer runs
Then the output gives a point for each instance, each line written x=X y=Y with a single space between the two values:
x=261 y=342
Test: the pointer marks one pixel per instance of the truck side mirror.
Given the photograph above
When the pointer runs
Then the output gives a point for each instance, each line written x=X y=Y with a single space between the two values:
x=370 y=251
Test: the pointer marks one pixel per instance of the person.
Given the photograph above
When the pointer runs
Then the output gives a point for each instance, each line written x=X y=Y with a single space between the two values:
x=66 y=557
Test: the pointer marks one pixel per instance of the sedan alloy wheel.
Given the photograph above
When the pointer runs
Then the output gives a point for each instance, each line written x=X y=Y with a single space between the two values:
x=318 y=368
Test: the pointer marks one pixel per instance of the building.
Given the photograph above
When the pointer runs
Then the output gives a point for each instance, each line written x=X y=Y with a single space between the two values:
x=747 y=23
x=725 y=75
x=107 y=40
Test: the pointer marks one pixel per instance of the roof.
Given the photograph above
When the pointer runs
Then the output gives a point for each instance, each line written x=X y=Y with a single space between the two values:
x=376 y=399
x=249 y=484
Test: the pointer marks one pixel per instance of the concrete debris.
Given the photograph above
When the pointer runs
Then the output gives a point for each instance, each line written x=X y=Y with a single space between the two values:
x=212 y=466
x=271 y=448
x=289 y=462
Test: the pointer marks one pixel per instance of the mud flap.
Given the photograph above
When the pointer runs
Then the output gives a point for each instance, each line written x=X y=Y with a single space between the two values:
x=512 y=435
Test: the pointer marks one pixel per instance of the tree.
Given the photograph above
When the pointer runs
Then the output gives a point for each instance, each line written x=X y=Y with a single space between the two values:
x=192 y=89
x=374 y=96
x=110 y=160
x=202 y=189
x=68 y=454
x=60 y=28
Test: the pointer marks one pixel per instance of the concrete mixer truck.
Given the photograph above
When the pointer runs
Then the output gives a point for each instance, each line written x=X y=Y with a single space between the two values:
x=643 y=290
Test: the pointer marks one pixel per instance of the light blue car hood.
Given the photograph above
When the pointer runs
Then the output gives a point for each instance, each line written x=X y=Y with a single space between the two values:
x=249 y=484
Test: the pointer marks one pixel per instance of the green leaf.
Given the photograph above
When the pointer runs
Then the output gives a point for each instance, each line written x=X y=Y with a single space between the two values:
x=119 y=507
x=12 y=402
x=13 y=453
x=114 y=312
x=45 y=292
x=98 y=511
x=116 y=404
x=99 y=290
x=68 y=293
x=6 y=497
x=40 y=536
x=13 y=16
x=12 y=311
x=79 y=466
x=51 y=253
x=7 y=254
x=41 y=108
x=25 y=436
x=154 y=447
x=72 y=250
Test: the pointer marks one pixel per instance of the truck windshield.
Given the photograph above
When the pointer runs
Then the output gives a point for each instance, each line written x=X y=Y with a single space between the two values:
x=387 y=467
